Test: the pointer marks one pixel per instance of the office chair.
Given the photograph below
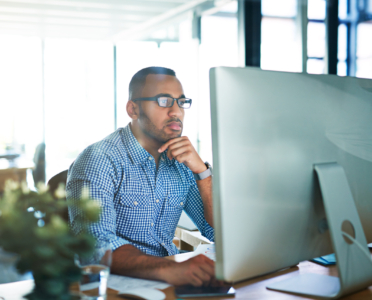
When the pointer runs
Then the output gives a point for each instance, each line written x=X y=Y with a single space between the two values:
x=53 y=184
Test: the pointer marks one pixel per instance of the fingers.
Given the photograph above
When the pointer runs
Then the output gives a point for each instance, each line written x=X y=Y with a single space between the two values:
x=180 y=151
x=182 y=158
x=204 y=271
x=197 y=271
x=203 y=277
x=207 y=260
x=195 y=280
x=172 y=141
x=179 y=147
x=216 y=283
x=207 y=268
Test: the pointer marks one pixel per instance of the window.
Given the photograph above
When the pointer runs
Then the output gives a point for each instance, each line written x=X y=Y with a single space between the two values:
x=364 y=50
x=274 y=8
x=316 y=45
x=342 y=50
x=316 y=36
x=79 y=98
x=280 y=34
x=356 y=19
x=316 y=10
x=21 y=113
x=219 y=47
x=280 y=46
x=146 y=54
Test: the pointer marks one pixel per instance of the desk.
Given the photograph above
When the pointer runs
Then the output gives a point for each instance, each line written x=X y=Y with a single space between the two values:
x=249 y=289
x=15 y=171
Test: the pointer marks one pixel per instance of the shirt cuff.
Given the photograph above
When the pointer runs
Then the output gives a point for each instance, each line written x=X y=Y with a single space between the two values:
x=118 y=242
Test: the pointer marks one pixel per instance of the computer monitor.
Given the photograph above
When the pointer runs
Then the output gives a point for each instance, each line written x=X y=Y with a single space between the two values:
x=269 y=130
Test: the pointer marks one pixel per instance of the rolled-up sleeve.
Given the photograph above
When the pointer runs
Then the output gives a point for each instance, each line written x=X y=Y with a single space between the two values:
x=194 y=208
x=95 y=170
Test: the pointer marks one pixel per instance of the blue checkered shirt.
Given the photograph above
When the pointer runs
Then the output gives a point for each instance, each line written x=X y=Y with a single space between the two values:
x=141 y=205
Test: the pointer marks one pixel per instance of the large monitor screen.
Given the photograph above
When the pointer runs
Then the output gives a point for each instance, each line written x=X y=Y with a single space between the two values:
x=269 y=129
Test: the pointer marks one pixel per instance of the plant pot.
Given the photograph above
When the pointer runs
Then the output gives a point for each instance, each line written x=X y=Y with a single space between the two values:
x=50 y=288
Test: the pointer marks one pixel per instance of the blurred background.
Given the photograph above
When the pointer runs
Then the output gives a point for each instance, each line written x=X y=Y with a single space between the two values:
x=65 y=65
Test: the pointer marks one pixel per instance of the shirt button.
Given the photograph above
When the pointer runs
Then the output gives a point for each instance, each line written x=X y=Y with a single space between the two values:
x=163 y=244
x=157 y=200
x=152 y=224
x=181 y=203
x=135 y=202
x=150 y=158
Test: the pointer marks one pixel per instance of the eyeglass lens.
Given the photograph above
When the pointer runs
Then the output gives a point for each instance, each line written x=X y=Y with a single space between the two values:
x=168 y=102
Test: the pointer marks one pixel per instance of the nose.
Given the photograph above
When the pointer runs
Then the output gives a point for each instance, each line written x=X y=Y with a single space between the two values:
x=175 y=110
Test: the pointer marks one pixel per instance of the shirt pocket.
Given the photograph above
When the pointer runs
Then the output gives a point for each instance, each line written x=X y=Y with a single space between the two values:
x=133 y=215
x=176 y=201
x=135 y=200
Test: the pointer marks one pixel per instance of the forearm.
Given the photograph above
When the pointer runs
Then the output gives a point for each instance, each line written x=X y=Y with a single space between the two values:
x=129 y=261
x=205 y=190
x=184 y=152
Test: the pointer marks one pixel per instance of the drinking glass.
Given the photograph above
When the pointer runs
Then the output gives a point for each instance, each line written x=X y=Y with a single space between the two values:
x=95 y=272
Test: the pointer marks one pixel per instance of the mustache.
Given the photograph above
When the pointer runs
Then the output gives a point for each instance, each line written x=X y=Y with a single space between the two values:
x=174 y=120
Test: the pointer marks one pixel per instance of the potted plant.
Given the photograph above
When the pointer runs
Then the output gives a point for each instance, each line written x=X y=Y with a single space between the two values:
x=31 y=226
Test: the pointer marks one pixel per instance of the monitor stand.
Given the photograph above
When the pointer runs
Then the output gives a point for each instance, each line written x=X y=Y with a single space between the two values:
x=353 y=258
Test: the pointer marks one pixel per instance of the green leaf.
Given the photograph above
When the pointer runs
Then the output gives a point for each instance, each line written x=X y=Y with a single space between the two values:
x=44 y=251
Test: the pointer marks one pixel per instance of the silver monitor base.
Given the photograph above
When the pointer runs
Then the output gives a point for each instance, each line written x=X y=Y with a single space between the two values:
x=353 y=258
x=317 y=285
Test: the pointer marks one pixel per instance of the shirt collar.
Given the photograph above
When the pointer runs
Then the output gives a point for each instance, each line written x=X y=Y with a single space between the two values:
x=136 y=152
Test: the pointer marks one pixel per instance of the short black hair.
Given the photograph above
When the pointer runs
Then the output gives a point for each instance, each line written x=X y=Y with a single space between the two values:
x=139 y=79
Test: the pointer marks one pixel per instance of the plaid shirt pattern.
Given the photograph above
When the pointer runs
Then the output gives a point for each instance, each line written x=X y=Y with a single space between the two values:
x=141 y=205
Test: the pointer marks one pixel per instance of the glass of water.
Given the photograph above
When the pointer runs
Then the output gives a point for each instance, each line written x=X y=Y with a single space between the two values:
x=95 y=272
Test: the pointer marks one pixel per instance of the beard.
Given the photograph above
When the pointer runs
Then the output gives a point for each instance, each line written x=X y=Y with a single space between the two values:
x=149 y=128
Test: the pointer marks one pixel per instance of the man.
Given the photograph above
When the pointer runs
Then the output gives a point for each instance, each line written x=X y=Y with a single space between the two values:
x=143 y=176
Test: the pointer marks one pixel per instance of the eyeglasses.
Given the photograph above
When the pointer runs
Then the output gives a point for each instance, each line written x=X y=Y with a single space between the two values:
x=168 y=101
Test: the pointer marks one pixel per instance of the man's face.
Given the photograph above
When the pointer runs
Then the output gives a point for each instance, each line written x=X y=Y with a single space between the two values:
x=161 y=123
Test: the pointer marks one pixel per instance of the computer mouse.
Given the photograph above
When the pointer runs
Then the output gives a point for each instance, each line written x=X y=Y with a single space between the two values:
x=143 y=294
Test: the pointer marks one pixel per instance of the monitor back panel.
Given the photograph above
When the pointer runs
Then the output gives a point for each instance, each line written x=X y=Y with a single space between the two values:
x=268 y=130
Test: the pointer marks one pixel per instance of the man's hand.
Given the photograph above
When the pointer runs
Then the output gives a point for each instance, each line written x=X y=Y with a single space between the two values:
x=183 y=151
x=127 y=260
x=196 y=271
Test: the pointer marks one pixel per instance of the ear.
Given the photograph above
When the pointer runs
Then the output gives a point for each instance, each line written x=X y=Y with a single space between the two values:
x=132 y=110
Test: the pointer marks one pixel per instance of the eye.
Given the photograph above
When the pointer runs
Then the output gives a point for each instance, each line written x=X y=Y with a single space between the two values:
x=163 y=101
x=182 y=101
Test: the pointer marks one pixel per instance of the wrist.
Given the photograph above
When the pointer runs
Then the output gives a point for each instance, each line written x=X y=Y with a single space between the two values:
x=165 y=271
x=201 y=168
x=204 y=174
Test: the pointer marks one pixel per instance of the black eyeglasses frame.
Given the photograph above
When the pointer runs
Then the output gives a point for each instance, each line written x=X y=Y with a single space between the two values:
x=188 y=100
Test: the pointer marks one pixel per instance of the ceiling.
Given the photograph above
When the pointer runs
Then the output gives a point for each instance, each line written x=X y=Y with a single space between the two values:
x=95 y=19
